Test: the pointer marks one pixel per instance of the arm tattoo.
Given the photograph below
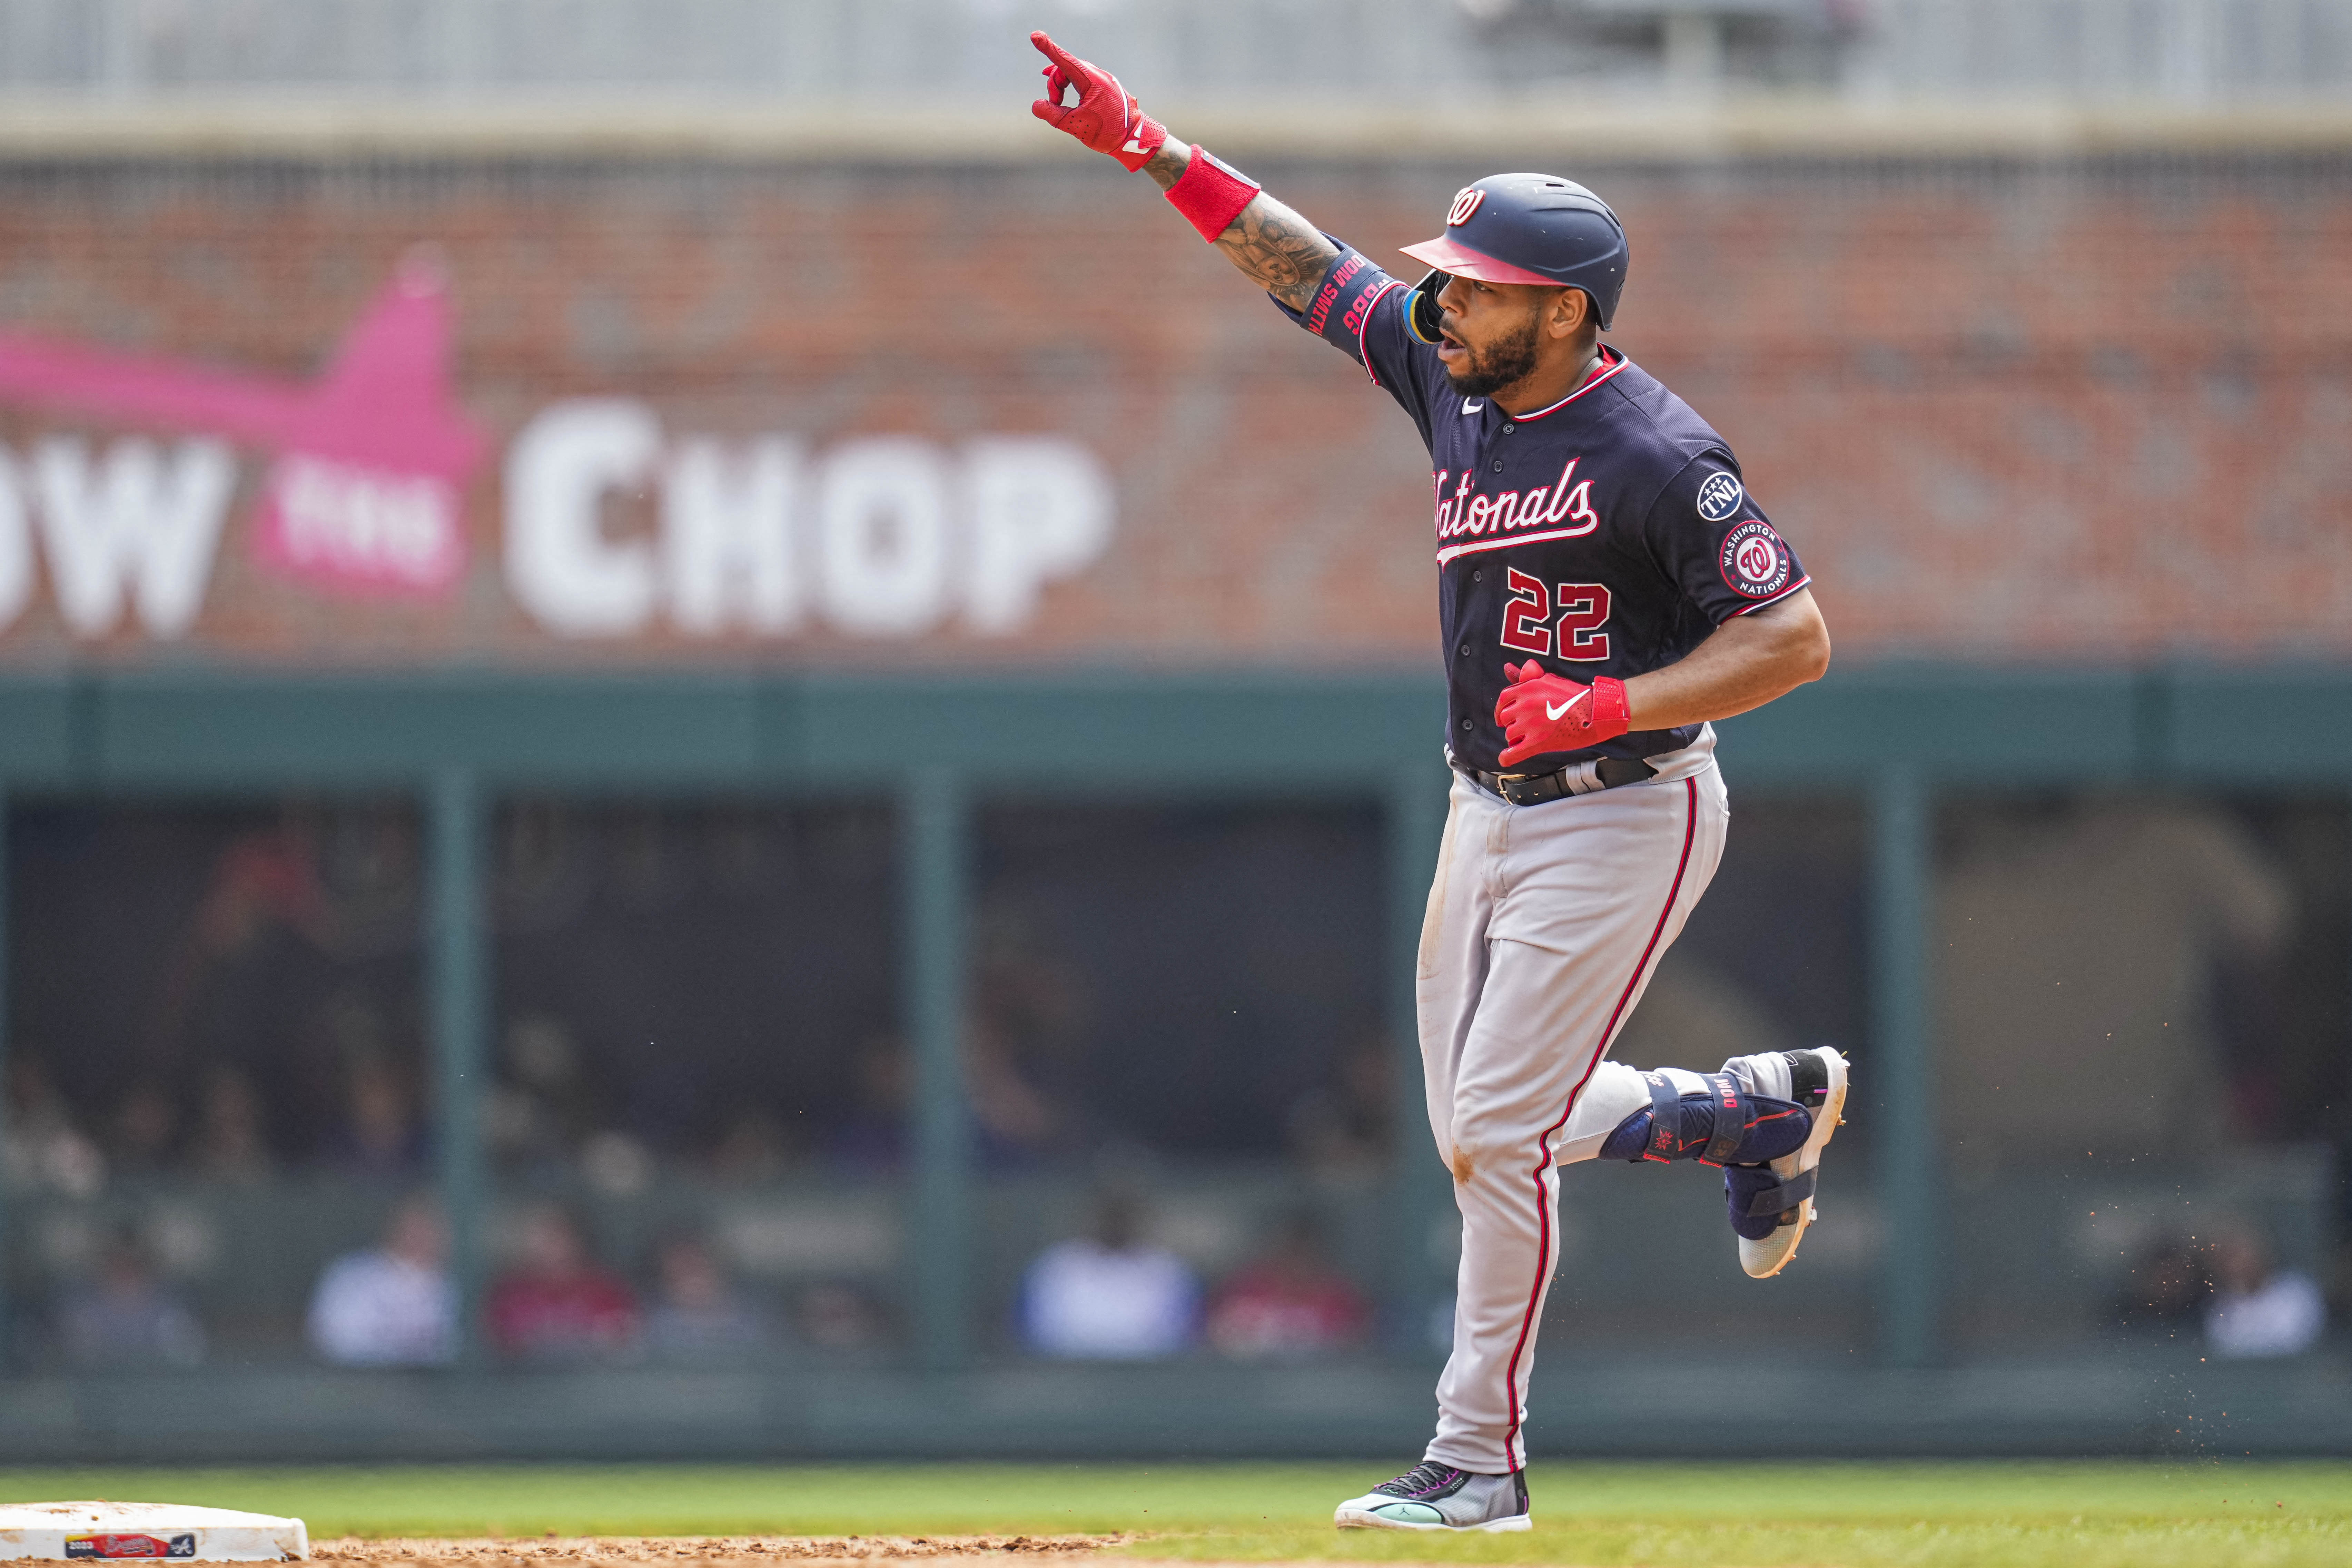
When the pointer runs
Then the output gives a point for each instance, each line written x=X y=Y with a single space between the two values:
x=1273 y=247
x=1167 y=165
x=1281 y=251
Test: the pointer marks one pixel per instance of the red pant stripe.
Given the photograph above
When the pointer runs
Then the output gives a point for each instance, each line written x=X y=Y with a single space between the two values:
x=1543 y=1162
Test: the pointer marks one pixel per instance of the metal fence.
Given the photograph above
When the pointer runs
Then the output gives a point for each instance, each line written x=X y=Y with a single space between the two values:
x=2176 y=51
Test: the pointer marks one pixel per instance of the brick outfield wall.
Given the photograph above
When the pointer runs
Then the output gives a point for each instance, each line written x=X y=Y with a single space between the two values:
x=2093 y=413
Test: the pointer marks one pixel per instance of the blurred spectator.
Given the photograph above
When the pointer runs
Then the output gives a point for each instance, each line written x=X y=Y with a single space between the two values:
x=840 y=1318
x=545 y=1109
x=1345 y=1129
x=39 y=1144
x=871 y=1140
x=698 y=1315
x=1288 y=1303
x=369 y=867
x=380 y=1136
x=263 y=884
x=753 y=1150
x=1013 y=1121
x=556 y=1304
x=617 y=1164
x=1107 y=1295
x=1023 y=1035
x=145 y=1124
x=2171 y=1284
x=229 y=1146
x=269 y=876
x=2258 y=1309
x=393 y=1305
x=125 y=1318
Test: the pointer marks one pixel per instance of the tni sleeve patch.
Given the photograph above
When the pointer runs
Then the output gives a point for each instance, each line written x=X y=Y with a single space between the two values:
x=1719 y=497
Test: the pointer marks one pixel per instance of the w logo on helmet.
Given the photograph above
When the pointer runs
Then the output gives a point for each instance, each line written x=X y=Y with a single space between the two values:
x=1466 y=202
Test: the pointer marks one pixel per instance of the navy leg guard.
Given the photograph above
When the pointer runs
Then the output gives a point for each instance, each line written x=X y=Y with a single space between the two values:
x=1724 y=1125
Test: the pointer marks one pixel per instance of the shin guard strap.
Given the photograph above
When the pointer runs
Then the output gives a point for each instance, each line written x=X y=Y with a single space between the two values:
x=1732 y=1116
x=1665 y=1118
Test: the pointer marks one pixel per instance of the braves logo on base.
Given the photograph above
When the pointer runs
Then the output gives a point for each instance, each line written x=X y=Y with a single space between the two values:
x=128 y=1545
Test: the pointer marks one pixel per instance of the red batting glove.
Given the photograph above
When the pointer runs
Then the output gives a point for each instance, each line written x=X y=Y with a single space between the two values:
x=1543 y=713
x=1106 y=117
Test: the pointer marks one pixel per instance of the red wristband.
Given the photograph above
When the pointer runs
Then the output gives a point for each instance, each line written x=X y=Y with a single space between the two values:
x=1211 y=194
x=1611 y=710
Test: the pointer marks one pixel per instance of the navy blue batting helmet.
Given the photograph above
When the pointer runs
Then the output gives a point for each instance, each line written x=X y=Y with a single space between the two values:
x=1532 y=228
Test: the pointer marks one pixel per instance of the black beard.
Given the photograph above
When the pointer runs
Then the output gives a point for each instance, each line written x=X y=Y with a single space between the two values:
x=1499 y=364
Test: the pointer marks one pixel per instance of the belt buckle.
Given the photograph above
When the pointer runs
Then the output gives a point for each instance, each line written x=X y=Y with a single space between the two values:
x=1510 y=783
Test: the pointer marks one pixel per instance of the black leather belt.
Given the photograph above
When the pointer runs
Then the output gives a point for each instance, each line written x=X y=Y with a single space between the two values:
x=1578 y=778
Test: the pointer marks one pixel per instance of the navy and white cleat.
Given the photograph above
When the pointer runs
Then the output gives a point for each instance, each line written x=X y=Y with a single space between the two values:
x=1772 y=1203
x=1431 y=1495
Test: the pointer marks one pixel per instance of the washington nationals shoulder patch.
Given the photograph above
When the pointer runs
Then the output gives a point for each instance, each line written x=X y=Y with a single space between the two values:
x=1719 y=497
x=1756 y=564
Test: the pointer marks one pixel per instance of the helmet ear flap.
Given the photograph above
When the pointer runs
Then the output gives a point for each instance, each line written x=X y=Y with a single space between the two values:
x=1422 y=317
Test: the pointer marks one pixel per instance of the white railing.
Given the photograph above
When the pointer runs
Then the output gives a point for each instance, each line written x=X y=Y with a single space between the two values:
x=2176 y=51
x=793 y=48
x=783 y=51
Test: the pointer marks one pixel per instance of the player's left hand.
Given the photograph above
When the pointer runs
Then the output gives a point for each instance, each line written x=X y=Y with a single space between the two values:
x=1106 y=118
x=1542 y=713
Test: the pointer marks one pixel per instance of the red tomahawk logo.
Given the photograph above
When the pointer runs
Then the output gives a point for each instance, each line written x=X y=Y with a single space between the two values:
x=371 y=460
x=130 y=1545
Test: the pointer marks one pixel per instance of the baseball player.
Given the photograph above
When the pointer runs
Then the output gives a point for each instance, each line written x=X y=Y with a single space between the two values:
x=1606 y=585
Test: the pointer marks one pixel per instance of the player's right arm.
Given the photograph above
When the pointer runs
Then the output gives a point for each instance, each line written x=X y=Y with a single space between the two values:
x=1272 y=246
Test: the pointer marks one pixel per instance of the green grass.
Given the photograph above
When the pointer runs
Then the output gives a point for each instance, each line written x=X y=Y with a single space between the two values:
x=2208 y=1514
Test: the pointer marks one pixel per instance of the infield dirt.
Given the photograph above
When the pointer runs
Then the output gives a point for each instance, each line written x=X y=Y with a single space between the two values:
x=705 y=1552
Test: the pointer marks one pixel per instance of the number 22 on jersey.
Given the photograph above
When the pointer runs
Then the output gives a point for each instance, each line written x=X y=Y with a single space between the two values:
x=1583 y=609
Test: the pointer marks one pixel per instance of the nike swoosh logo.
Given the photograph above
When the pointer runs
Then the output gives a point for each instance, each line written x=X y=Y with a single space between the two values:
x=1552 y=712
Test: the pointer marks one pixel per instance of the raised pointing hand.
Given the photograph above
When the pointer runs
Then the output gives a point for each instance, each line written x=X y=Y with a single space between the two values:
x=1106 y=117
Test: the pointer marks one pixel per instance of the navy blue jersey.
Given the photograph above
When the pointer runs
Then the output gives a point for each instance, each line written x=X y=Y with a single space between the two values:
x=1608 y=534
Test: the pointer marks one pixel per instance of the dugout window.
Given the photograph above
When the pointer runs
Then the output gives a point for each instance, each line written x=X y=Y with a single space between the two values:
x=2141 y=1010
x=1178 y=1051
x=215 y=1075
x=698 y=1131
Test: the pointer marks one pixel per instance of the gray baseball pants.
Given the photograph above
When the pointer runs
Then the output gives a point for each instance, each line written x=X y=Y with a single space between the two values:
x=1545 y=923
